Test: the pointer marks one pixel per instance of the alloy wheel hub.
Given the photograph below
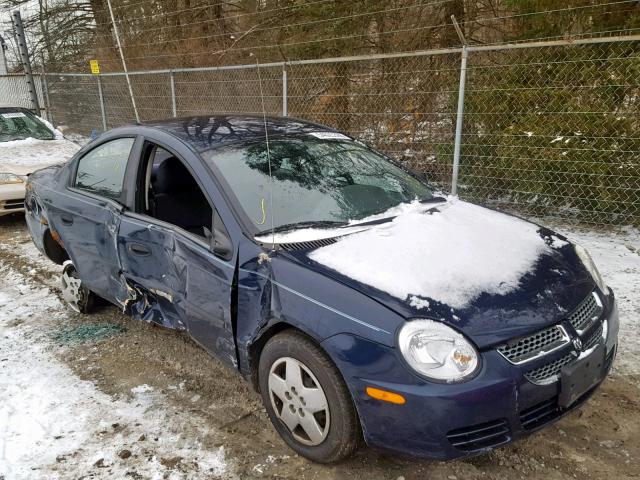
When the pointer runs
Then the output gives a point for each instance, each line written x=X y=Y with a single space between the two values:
x=72 y=288
x=299 y=401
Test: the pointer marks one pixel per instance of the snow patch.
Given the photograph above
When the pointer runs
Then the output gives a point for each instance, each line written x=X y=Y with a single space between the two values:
x=57 y=133
x=52 y=423
x=451 y=255
x=32 y=152
x=142 y=389
x=418 y=302
x=557 y=242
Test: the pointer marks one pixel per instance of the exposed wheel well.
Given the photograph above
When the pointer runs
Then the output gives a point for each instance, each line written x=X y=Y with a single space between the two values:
x=54 y=251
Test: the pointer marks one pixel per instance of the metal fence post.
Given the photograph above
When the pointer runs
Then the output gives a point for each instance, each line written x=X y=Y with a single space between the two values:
x=102 y=109
x=45 y=91
x=284 y=92
x=459 y=118
x=172 y=80
x=26 y=63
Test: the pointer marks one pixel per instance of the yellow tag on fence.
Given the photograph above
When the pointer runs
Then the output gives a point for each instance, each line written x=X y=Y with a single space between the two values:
x=95 y=67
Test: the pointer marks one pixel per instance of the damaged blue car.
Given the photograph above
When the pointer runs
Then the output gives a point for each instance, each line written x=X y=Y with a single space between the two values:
x=359 y=301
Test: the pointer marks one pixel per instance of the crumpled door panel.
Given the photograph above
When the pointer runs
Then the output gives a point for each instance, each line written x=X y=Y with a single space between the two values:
x=149 y=306
x=151 y=285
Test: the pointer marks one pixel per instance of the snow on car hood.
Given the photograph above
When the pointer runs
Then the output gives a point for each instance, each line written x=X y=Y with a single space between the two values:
x=452 y=253
x=25 y=156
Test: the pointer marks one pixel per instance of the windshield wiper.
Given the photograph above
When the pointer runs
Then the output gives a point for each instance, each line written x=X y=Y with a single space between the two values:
x=307 y=224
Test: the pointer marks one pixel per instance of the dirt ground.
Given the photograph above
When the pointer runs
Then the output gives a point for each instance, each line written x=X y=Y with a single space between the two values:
x=601 y=440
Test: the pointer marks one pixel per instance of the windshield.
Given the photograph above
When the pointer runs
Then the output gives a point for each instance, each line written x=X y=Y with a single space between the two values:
x=21 y=125
x=314 y=180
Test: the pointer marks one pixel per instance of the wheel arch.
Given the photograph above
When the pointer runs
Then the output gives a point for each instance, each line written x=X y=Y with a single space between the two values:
x=256 y=347
x=53 y=249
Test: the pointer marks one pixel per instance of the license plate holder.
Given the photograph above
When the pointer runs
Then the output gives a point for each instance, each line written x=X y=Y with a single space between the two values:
x=578 y=378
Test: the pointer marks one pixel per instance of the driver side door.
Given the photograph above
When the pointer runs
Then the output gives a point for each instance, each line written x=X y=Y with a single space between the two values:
x=167 y=254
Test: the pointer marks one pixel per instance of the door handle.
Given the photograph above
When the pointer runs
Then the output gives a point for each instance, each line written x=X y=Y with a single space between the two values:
x=138 y=249
x=66 y=219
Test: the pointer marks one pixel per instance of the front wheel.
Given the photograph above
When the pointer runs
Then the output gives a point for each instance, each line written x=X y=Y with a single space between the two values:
x=307 y=399
x=74 y=292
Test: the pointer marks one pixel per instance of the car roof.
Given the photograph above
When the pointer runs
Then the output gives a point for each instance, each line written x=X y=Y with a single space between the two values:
x=10 y=109
x=205 y=132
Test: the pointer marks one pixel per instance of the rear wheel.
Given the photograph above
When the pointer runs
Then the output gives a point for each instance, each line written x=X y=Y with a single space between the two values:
x=74 y=292
x=307 y=399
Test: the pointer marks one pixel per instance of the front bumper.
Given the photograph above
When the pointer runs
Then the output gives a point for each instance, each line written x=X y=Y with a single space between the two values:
x=11 y=198
x=444 y=421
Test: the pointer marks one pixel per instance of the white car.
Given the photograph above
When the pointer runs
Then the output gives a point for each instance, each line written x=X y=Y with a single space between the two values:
x=27 y=143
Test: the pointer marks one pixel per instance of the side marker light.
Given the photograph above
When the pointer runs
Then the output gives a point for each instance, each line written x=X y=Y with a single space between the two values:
x=385 y=396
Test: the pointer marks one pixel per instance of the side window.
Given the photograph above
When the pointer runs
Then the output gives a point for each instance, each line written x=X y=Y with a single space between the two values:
x=172 y=194
x=101 y=171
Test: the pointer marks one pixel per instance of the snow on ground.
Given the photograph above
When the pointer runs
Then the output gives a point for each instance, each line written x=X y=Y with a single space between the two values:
x=451 y=257
x=617 y=255
x=49 y=417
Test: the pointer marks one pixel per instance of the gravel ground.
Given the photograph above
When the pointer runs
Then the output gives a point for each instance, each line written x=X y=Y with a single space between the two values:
x=104 y=396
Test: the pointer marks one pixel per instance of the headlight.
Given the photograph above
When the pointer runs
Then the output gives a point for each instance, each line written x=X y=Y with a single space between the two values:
x=8 y=178
x=587 y=261
x=436 y=351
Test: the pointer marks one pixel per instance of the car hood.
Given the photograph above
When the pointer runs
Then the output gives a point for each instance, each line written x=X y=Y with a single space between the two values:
x=22 y=157
x=488 y=274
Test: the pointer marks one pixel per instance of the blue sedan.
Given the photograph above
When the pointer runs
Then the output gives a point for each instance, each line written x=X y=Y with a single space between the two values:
x=358 y=300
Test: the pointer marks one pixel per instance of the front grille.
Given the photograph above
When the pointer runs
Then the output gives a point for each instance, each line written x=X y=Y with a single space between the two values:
x=534 y=345
x=586 y=313
x=476 y=437
x=541 y=413
x=13 y=204
x=546 y=341
x=548 y=373
x=594 y=338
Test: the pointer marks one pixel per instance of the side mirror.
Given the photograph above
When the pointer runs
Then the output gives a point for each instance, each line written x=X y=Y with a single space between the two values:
x=219 y=240
x=221 y=244
x=63 y=129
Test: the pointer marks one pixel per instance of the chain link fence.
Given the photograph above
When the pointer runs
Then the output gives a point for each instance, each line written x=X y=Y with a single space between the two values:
x=549 y=129
x=555 y=132
x=15 y=93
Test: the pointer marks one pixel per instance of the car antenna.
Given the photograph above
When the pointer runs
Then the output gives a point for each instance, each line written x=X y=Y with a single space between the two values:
x=266 y=137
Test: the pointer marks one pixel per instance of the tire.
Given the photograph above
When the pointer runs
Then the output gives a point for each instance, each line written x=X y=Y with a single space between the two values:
x=74 y=292
x=338 y=433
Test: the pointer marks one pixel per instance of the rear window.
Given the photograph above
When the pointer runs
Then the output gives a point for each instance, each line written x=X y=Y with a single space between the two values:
x=19 y=125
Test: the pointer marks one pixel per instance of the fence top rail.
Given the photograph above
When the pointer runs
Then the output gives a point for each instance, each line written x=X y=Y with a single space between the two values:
x=17 y=75
x=379 y=56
